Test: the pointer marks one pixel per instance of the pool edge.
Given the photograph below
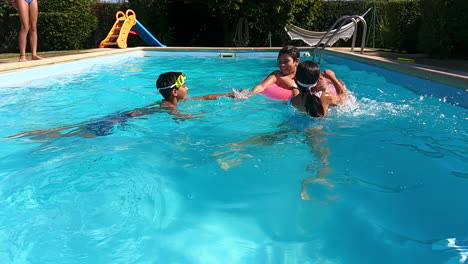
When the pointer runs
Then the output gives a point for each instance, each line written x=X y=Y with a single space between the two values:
x=410 y=68
x=442 y=76
x=93 y=53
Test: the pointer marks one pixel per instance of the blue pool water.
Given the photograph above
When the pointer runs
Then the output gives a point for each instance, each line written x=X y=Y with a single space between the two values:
x=384 y=177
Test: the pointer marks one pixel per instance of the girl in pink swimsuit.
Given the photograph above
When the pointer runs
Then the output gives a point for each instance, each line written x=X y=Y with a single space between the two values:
x=288 y=59
x=325 y=84
x=28 y=13
x=317 y=95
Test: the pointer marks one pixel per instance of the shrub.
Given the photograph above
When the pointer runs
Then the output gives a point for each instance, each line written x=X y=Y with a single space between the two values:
x=154 y=15
x=402 y=20
x=270 y=16
x=9 y=28
x=65 y=25
x=444 y=31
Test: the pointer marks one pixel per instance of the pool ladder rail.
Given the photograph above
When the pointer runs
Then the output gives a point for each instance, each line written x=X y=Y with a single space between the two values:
x=355 y=19
x=118 y=34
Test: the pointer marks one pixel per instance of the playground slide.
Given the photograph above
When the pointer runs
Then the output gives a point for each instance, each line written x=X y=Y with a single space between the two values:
x=119 y=32
x=146 y=35
x=124 y=24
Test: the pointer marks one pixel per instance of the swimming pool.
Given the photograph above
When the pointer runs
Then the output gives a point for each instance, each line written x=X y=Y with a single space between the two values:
x=386 y=173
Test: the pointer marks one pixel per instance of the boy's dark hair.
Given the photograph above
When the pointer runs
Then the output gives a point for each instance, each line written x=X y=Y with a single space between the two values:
x=308 y=72
x=164 y=80
x=292 y=51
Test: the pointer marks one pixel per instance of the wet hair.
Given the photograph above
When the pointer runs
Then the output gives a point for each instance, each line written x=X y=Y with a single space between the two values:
x=164 y=80
x=309 y=72
x=290 y=50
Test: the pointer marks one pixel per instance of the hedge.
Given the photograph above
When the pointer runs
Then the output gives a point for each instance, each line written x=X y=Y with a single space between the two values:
x=444 y=33
x=436 y=27
x=268 y=18
x=402 y=26
x=77 y=34
x=66 y=24
x=9 y=28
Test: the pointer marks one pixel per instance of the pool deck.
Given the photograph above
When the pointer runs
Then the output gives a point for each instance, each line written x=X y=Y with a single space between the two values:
x=440 y=75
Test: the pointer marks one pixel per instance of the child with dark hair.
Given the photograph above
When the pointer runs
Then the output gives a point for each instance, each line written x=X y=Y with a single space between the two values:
x=171 y=85
x=318 y=91
x=288 y=59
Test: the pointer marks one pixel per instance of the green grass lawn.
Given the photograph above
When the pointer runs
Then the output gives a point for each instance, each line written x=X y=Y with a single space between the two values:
x=450 y=64
x=42 y=54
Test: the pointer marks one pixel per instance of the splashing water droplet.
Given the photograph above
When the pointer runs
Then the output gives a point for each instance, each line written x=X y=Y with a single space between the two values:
x=241 y=94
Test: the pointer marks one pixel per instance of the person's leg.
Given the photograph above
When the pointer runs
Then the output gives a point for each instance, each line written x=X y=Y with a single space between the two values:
x=33 y=14
x=23 y=11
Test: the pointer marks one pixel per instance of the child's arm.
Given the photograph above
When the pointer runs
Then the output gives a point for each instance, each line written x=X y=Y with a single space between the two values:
x=340 y=89
x=215 y=96
x=212 y=96
x=264 y=84
x=295 y=90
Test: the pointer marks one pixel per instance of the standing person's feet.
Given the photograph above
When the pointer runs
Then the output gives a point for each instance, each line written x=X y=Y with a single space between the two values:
x=22 y=58
x=35 y=57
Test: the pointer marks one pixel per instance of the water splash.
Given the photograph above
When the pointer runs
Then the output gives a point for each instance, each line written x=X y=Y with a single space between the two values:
x=241 y=94
x=354 y=107
x=460 y=247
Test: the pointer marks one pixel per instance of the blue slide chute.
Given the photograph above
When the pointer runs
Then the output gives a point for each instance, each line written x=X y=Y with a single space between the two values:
x=146 y=35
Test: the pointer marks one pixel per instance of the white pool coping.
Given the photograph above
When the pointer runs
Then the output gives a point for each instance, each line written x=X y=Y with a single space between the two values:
x=442 y=76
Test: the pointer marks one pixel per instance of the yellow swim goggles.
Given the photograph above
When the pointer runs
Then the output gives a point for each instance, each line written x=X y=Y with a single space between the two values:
x=178 y=83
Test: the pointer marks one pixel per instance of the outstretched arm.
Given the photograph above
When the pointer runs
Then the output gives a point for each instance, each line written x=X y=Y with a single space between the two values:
x=264 y=84
x=216 y=96
x=212 y=96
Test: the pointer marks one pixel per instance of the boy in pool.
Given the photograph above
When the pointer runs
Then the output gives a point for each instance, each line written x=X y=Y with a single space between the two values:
x=171 y=85
x=288 y=59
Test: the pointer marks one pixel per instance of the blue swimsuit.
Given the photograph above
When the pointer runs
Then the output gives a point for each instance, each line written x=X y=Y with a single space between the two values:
x=105 y=127
x=27 y=1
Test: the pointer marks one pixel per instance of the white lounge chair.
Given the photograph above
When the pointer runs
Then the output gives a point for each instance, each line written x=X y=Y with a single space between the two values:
x=343 y=28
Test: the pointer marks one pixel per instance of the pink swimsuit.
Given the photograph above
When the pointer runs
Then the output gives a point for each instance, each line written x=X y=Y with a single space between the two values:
x=330 y=87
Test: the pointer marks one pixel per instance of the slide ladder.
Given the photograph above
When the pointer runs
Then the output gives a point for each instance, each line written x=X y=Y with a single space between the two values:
x=119 y=32
x=124 y=24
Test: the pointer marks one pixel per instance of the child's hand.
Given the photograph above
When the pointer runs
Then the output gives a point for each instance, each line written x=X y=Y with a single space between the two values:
x=329 y=74
x=295 y=92
x=242 y=94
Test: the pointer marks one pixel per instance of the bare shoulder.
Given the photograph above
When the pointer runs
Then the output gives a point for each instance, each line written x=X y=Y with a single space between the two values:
x=277 y=74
